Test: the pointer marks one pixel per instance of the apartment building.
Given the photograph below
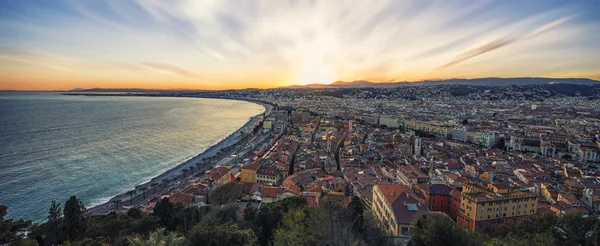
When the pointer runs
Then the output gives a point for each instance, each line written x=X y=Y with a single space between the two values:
x=484 y=209
x=395 y=207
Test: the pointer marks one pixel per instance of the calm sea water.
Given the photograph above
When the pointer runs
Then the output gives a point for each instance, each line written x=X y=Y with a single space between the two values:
x=53 y=146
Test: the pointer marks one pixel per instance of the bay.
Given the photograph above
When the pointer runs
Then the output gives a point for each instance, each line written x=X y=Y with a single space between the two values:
x=53 y=146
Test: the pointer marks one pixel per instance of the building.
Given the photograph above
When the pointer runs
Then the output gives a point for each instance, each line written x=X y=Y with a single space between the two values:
x=417 y=146
x=485 y=138
x=443 y=198
x=269 y=175
x=389 y=121
x=459 y=134
x=268 y=125
x=484 y=209
x=411 y=175
x=395 y=207
x=221 y=175
x=248 y=172
x=273 y=194
x=428 y=128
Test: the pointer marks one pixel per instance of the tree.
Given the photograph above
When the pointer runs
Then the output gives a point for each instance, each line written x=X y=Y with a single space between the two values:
x=571 y=228
x=144 y=189
x=191 y=216
x=438 y=229
x=210 y=232
x=131 y=193
x=11 y=230
x=536 y=224
x=356 y=213
x=74 y=221
x=595 y=237
x=160 y=237
x=54 y=226
x=250 y=213
x=154 y=185
x=135 y=213
x=165 y=211
x=116 y=202
x=293 y=202
x=294 y=231
x=268 y=218
x=225 y=194
x=165 y=182
x=325 y=225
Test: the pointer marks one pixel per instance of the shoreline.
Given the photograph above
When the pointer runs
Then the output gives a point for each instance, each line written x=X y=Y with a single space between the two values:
x=173 y=173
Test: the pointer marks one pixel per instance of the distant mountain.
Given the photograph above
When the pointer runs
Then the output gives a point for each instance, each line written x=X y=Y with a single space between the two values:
x=478 y=81
x=125 y=90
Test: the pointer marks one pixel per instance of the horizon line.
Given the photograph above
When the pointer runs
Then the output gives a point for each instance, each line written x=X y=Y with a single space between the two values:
x=288 y=86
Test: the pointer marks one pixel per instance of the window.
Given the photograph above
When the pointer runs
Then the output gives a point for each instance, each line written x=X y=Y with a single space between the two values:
x=404 y=230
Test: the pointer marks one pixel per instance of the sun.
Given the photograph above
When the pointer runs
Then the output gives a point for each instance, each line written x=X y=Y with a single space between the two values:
x=315 y=71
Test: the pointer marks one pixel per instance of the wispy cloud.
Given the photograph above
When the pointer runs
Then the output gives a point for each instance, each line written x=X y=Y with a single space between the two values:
x=70 y=64
x=499 y=43
x=170 y=69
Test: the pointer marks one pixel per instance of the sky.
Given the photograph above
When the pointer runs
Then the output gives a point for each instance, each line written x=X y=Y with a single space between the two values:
x=231 y=44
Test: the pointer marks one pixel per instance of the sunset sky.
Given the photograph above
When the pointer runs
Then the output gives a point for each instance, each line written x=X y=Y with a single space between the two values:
x=206 y=44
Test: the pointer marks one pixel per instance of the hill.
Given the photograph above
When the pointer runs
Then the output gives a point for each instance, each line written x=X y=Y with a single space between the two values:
x=492 y=81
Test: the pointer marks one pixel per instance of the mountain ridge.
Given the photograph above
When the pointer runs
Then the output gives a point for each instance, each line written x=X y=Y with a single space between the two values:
x=488 y=81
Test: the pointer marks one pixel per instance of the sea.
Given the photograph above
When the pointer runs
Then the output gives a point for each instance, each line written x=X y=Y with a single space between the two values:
x=53 y=146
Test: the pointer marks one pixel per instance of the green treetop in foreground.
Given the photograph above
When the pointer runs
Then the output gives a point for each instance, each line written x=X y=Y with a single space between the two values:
x=543 y=230
x=287 y=222
x=173 y=224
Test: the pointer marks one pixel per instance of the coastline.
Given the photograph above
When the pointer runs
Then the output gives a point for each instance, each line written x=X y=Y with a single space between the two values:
x=173 y=173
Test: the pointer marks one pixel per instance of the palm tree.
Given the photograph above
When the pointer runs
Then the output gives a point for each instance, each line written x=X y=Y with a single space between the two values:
x=154 y=186
x=144 y=189
x=116 y=203
x=160 y=237
x=184 y=171
x=165 y=182
x=191 y=170
x=131 y=193
x=198 y=166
